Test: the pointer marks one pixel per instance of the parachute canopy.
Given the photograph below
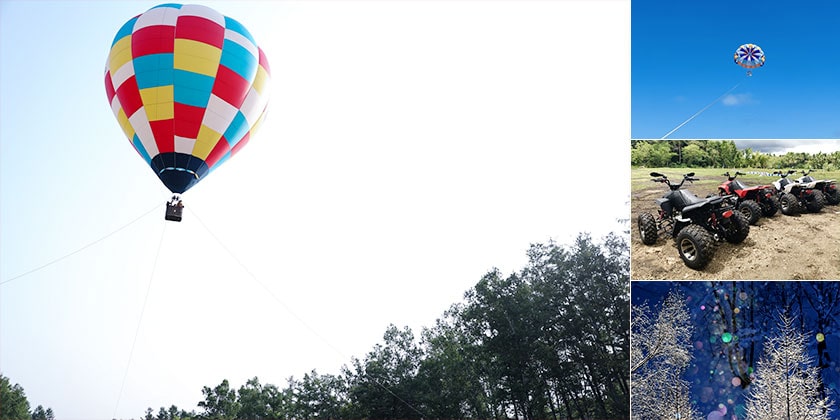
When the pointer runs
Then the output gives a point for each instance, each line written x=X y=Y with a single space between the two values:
x=188 y=86
x=749 y=56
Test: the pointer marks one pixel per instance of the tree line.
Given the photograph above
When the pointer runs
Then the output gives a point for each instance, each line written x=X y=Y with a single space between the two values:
x=551 y=341
x=722 y=154
x=14 y=405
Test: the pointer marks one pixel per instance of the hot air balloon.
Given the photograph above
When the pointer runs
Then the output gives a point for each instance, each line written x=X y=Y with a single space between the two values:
x=188 y=86
x=749 y=56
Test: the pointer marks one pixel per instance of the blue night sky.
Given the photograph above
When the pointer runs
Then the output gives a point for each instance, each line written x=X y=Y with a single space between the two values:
x=715 y=390
x=682 y=60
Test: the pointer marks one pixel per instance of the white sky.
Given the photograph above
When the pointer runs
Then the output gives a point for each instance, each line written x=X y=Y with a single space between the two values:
x=782 y=146
x=410 y=147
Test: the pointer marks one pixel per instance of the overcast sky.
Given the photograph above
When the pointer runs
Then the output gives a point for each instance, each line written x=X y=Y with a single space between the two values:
x=782 y=146
x=409 y=148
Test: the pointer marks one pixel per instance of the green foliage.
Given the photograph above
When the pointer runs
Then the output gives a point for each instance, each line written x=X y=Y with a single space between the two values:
x=722 y=154
x=551 y=341
x=253 y=401
x=694 y=155
x=13 y=402
x=220 y=402
x=651 y=154
x=384 y=383
x=40 y=414
x=318 y=397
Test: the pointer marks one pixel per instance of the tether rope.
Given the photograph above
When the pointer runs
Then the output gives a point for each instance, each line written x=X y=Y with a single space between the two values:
x=298 y=318
x=701 y=111
x=41 y=267
x=140 y=321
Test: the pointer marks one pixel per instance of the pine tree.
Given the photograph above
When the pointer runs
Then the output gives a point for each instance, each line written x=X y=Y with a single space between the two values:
x=659 y=355
x=786 y=384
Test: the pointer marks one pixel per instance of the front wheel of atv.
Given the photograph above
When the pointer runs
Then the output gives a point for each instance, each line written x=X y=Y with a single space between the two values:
x=817 y=202
x=647 y=228
x=751 y=210
x=770 y=206
x=788 y=204
x=832 y=197
x=696 y=246
x=736 y=228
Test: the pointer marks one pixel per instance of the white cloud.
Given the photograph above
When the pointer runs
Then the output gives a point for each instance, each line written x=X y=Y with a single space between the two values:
x=738 y=99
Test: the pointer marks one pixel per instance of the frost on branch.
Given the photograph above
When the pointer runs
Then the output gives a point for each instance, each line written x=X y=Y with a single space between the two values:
x=786 y=384
x=659 y=354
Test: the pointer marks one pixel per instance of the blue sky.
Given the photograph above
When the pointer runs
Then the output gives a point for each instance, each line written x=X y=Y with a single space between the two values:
x=409 y=148
x=682 y=60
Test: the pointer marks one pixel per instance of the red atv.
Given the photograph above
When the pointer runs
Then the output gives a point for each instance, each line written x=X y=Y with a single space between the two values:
x=752 y=201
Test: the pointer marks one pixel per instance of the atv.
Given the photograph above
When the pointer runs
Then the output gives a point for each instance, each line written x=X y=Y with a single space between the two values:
x=755 y=201
x=826 y=186
x=696 y=223
x=795 y=196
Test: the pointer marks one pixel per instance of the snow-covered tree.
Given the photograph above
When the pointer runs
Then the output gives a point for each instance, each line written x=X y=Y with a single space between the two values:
x=659 y=354
x=786 y=385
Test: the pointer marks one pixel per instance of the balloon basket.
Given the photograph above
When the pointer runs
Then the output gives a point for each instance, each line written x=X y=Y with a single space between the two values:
x=174 y=209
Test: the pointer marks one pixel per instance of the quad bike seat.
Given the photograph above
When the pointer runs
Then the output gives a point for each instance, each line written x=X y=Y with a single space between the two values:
x=703 y=201
x=783 y=182
x=738 y=185
x=679 y=199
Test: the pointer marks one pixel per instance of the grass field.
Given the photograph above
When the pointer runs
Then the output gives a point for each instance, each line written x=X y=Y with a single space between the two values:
x=710 y=178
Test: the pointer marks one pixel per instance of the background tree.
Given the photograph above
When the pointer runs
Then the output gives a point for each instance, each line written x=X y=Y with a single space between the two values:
x=39 y=413
x=786 y=385
x=220 y=402
x=723 y=154
x=732 y=317
x=252 y=401
x=652 y=154
x=318 y=397
x=382 y=385
x=660 y=354
x=13 y=402
x=450 y=383
x=694 y=155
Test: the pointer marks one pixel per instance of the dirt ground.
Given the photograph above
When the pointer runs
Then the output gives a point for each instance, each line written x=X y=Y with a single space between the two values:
x=801 y=247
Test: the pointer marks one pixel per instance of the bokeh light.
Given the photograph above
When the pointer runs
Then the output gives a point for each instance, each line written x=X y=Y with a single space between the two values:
x=820 y=337
x=726 y=337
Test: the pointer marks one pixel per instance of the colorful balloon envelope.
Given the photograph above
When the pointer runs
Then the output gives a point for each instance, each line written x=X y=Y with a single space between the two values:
x=749 y=56
x=189 y=86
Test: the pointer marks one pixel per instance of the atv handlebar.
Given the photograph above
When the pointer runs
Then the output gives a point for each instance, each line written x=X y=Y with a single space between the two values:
x=664 y=179
x=732 y=177
x=784 y=175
